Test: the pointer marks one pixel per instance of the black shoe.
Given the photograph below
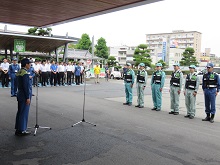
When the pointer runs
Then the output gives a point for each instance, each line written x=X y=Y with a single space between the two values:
x=141 y=106
x=186 y=116
x=191 y=117
x=125 y=103
x=206 y=119
x=154 y=108
x=33 y=95
x=12 y=95
x=212 y=118
x=176 y=113
x=171 y=112
x=137 y=105
x=22 y=133
x=158 y=109
x=129 y=104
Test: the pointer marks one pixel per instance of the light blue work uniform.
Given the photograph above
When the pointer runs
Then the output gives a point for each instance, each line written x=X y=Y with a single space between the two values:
x=157 y=83
x=129 y=81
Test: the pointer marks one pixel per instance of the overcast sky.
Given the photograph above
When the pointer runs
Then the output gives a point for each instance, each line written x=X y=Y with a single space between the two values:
x=130 y=26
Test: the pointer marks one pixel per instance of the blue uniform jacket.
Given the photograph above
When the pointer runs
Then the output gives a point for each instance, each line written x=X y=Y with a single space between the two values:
x=54 y=67
x=216 y=77
x=77 y=70
x=23 y=85
x=31 y=72
x=13 y=69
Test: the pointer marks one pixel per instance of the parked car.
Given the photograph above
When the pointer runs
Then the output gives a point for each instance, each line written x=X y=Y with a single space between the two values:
x=114 y=73
x=202 y=72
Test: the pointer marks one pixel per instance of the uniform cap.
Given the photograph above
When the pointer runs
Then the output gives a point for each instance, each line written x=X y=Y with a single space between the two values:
x=15 y=59
x=192 y=66
x=176 y=64
x=210 y=65
x=25 y=61
x=158 y=64
x=128 y=64
x=141 y=64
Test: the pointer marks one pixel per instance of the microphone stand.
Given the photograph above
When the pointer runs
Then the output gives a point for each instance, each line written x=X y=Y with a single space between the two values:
x=37 y=126
x=84 y=98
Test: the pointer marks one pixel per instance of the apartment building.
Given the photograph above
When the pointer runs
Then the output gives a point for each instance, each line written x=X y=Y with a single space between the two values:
x=122 y=53
x=179 y=39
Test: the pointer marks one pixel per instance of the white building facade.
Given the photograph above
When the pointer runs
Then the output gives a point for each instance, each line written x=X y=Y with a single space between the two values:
x=178 y=39
x=122 y=54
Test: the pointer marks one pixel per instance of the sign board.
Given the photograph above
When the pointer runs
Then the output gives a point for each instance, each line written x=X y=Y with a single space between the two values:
x=19 y=45
x=164 y=49
x=102 y=74
x=89 y=62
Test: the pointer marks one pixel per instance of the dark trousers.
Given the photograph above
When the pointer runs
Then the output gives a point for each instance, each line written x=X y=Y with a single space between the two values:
x=73 y=77
x=35 y=79
x=61 y=78
x=69 y=77
x=53 y=79
x=14 y=84
x=77 y=80
x=44 y=78
x=22 y=116
x=81 y=78
x=5 y=79
x=48 y=77
x=210 y=98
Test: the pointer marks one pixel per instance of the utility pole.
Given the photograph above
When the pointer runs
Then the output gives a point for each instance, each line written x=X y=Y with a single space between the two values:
x=92 y=51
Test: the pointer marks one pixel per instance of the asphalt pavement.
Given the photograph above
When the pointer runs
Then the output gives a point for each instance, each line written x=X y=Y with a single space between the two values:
x=123 y=135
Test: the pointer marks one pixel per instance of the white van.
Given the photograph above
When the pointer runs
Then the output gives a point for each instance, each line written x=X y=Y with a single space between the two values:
x=114 y=73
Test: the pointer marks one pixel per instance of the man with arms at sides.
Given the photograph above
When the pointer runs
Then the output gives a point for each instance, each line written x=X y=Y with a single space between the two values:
x=210 y=86
x=129 y=82
x=157 y=84
x=190 y=92
x=23 y=98
x=13 y=69
x=175 y=89
x=141 y=84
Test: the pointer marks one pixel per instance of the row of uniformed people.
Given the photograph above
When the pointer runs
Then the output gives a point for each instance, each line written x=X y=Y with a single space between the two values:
x=39 y=71
x=58 y=73
x=210 y=81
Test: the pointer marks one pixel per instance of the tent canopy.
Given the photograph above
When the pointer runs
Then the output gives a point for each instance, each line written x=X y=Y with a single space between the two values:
x=34 y=43
x=43 y=13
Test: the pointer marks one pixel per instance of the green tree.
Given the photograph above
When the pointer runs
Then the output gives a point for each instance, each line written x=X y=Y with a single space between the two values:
x=112 y=61
x=84 y=43
x=101 y=49
x=141 y=55
x=39 y=31
x=32 y=31
x=72 y=46
x=188 y=57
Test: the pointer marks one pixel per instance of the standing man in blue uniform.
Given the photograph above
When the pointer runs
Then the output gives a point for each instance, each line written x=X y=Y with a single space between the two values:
x=77 y=73
x=13 y=69
x=210 y=86
x=54 y=70
x=129 y=82
x=157 y=84
x=23 y=98
x=175 y=89
x=141 y=84
x=190 y=92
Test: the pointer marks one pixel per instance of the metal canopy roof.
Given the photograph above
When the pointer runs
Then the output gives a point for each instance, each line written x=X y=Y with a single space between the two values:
x=41 y=13
x=33 y=43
